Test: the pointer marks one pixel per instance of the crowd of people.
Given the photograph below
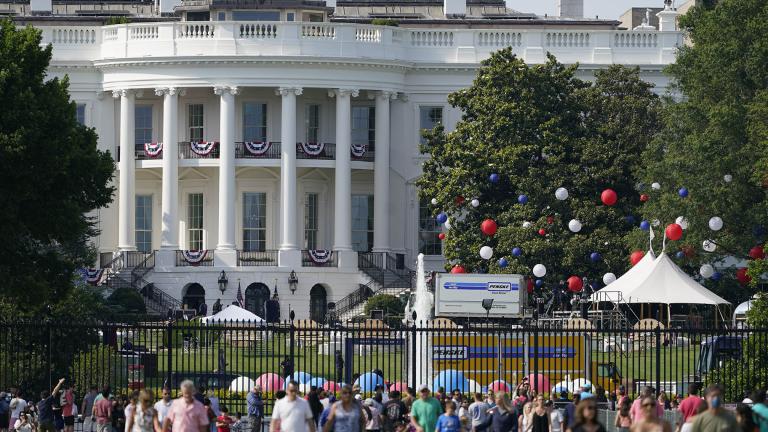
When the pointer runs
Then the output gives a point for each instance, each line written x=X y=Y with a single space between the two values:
x=415 y=410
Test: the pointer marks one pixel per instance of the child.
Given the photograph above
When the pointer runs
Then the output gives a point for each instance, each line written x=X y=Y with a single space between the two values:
x=448 y=422
x=224 y=421
x=238 y=425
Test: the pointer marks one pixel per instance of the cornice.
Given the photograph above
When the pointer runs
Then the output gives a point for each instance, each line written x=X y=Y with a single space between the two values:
x=183 y=61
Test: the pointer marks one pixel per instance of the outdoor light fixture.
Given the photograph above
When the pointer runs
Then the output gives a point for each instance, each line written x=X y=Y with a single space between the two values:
x=487 y=304
x=223 y=282
x=293 y=282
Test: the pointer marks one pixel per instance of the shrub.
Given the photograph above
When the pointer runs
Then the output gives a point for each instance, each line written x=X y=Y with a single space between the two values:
x=385 y=22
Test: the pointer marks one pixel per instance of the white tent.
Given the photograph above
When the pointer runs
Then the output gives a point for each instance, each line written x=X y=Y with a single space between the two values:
x=235 y=315
x=657 y=281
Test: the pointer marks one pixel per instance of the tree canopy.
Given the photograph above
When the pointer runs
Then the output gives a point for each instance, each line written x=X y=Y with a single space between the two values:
x=539 y=128
x=52 y=175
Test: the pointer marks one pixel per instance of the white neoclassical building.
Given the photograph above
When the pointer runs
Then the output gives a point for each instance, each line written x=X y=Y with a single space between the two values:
x=274 y=143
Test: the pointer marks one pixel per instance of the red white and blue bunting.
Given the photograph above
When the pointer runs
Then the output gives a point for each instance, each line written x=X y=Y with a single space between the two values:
x=358 y=150
x=320 y=256
x=257 y=148
x=202 y=148
x=313 y=149
x=93 y=275
x=194 y=256
x=153 y=149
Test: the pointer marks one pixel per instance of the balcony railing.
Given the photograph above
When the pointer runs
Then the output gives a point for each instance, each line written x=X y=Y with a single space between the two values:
x=186 y=152
x=321 y=151
x=141 y=153
x=183 y=258
x=311 y=259
x=267 y=150
x=366 y=154
x=257 y=258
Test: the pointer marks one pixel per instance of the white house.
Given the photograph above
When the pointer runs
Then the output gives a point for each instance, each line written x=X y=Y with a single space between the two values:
x=281 y=136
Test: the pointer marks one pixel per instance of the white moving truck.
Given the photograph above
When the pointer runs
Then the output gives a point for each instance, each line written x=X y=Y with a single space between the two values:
x=462 y=295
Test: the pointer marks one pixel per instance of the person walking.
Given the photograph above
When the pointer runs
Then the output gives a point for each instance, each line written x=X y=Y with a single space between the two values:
x=372 y=416
x=502 y=416
x=186 y=413
x=346 y=415
x=690 y=404
x=224 y=423
x=45 y=408
x=425 y=411
x=101 y=414
x=586 y=417
x=393 y=417
x=144 y=418
x=637 y=411
x=525 y=419
x=448 y=422
x=715 y=418
x=688 y=425
x=760 y=410
x=745 y=419
x=313 y=399
x=255 y=408
x=540 y=418
x=292 y=413
x=650 y=422
x=67 y=408
x=623 y=420
x=163 y=405
x=556 y=420
x=478 y=411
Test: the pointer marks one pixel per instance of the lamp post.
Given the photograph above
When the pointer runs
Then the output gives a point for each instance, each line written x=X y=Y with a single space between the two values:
x=223 y=281
x=293 y=282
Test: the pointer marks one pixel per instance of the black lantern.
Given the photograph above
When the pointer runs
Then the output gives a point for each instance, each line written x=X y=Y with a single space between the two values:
x=293 y=282
x=223 y=281
x=487 y=305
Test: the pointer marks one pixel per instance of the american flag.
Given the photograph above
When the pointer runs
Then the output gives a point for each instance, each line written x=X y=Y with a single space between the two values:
x=239 y=295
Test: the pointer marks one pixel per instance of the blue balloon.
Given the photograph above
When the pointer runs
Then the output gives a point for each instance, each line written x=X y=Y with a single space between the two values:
x=494 y=178
x=450 y=380
x=301 y=377
x=630 y=219
x=368 y=381
x=503 y=262
x=645 y=225
x=522 y=199
x=317 y=382
x=595 y=257
x=683 y=192
x=680 y=255
x=539 y=283
x=517 y=251
x=441 y=218
x=716 y=276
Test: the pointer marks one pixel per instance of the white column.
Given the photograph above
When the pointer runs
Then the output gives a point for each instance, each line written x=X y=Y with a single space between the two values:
x=288 y=219
x=381 y=173
x=169 y=238
x=342 y=228
x=126 y=238
x=226 y=167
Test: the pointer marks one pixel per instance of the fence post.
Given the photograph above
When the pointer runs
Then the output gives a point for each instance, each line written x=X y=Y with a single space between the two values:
x=169 y=348
x=658 y=359
x=292 y=343
x=413 y=352
x=50 y=356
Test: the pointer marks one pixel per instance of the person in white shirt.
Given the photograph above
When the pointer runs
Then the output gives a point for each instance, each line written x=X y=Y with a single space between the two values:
x=291 y=413
x=556 y=420
x=18 y=405
x=163 y=405
x=478 y=411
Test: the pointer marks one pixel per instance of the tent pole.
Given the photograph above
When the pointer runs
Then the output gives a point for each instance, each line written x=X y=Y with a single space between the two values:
x=669 y=315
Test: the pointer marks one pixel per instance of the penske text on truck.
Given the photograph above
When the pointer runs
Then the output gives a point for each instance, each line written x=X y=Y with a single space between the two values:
x=462 y=295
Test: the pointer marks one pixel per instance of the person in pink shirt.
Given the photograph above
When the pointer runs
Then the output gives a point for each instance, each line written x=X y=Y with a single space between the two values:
x=186 y=414
x=636 y=412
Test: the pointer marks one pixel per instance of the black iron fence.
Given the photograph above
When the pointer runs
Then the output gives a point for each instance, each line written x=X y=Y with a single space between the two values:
x=228 y=358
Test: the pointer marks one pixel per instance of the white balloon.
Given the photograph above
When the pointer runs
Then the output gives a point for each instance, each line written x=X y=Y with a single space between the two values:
x=715 y=223
x=655 y=222
x=474 y=386
x=434 y=201
x=709 y=246
x=609 y=278
x=682 y=221
x=574 y=225
x=728 y=178
x=561 y=193
x=447 y=224
x=655 y=186
x=706 y=271
x=539 y=270
x=486 y=252
x=475 y=202
x=527 y=224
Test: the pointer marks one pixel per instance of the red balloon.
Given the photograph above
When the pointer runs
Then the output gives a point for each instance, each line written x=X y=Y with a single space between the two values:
x=542 y=232
x=575 y=284
x=459 y=200
x=636 y=257
x=550 y=220
x=757 y=253
x=742 y=276
x=674 y=231
x=441 y=236
x=644 y=197
x=609 y=197
x=458 y=269
x=488 y=227
x=529 y=287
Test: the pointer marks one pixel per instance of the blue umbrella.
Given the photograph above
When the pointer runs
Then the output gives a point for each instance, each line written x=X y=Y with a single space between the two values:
x=317 y=382
x=301 y=377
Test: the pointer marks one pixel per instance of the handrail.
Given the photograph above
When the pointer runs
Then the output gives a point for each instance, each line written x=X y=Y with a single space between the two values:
x=355 y=298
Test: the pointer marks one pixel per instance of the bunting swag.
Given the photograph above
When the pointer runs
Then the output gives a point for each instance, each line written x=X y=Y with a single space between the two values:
x=257 y=148
x=194 y=257
x=312 y=149
x=93 y=276
x=358 y=150
x=202 y=148
x=153 y=149
x=320 y=256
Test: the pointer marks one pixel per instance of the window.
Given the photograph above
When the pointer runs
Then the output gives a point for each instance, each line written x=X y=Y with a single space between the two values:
x=144 y=223
x=429 y=116
x=222 y=16
x=429 y=244
x=313 y=123
x=311 y=222
x=143 y=124
x=195 y=222
x=290 y=16
x=196 y=122
x=198 y=16
x=254 y=221
x=80 y=113
x=255 y=16
x=254 y=121
x=364 y=125
x=362 y=223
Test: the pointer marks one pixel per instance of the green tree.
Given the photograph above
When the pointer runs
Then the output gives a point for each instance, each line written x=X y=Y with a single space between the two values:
x=52 y=176
x=717 y=130
x=392 y=306
x=540 y=128
x=127 y=300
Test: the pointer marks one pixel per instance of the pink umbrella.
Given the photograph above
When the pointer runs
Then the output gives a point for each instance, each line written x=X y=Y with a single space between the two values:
x=500 y=386
x=539 y=382
x=399 y=386
x=270 y=382
x=331 y=386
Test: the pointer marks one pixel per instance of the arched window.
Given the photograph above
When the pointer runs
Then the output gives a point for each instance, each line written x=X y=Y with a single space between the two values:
x=256 y=295
x=318 y=303
x=194 y=296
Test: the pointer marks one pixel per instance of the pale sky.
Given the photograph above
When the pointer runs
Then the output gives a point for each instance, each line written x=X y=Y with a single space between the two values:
x=608 y=9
